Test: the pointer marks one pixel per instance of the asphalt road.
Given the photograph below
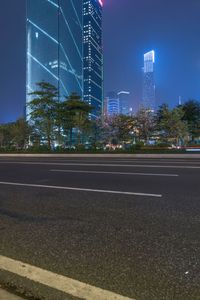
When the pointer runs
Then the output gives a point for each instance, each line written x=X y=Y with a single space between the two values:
x=130 y=226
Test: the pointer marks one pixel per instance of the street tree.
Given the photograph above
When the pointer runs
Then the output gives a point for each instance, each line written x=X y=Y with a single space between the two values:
x=19 y=132
x=43 y=111
x=172 y=128
x=5 y=135
x=191 y=115
x=124 y=128
x=73 y=114
x=145 y=124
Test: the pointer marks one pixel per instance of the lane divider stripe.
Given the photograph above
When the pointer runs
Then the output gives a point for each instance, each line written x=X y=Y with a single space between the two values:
x=79 y=189
x=114 y=173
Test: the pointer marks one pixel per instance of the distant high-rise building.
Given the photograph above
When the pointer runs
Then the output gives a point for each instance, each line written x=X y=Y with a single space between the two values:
x=105 y=107
x=93 y=55
x=149 y=99
x=124 y=102
x=112 y=101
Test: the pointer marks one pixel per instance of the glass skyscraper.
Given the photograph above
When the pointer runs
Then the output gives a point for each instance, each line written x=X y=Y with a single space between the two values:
x=149 y=100
x=92 y=55
x=64 y=48
x=112 y=102
x=124 y=105
x=54 y=45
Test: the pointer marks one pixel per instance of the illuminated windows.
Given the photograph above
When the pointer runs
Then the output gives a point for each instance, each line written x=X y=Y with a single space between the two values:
x=149 y=81
x=64 y=45
x=54 y=45
x=92 y=55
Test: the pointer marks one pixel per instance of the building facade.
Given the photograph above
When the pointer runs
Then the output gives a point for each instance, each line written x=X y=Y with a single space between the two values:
x=124 y=102
x=93 y=55
x=149 y=97
x=112 y=101
x=64 y=48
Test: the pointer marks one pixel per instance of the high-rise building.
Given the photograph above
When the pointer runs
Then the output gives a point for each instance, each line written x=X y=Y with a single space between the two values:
x=149 y=99
x=93 y=55
x=124 y=104
x=105 y=107
x=64 y=48
x=54 y=45
x=112 y=104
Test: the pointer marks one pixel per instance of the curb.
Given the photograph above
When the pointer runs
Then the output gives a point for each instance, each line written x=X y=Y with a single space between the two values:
x=104 y=155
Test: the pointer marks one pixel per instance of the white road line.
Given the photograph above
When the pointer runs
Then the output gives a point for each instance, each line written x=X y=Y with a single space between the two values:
x=101 y=165
x=59 y=282
x=163 y=161
x=4 y=295
x=114 y=173
x=79 y=189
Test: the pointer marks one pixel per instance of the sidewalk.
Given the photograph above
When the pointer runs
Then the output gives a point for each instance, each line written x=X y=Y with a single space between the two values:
x=4 y=295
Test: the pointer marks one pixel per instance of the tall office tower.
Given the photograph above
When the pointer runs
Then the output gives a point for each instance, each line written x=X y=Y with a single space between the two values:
x=54 y=45
x=112 y=104
x=105 y=107
x=124 y=105
x=93 y=55
x=149 y=81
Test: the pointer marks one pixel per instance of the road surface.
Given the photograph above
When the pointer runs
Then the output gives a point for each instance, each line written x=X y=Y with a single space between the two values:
x=116 y=227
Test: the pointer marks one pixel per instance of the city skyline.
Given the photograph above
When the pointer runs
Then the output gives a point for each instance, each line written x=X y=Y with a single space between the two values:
x=172 y=29
x=173 y=35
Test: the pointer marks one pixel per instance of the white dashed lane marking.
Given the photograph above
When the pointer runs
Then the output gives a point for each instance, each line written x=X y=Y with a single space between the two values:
x=114 y=173
x=78 y=189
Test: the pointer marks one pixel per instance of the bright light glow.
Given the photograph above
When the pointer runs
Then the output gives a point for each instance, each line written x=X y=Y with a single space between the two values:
x=153 y=54
x=150 y=56
x=101 y=2
x=149 y=60
x=123 y=92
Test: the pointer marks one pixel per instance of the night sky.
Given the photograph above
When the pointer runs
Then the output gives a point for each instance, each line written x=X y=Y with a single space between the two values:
x=131 y=28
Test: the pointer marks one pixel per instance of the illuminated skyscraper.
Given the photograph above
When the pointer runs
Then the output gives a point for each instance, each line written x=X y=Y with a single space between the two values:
x=54 y=45
x=113 y=107
x=92 y=55
x=64 y=48
x=124 y=105
x=149 y=100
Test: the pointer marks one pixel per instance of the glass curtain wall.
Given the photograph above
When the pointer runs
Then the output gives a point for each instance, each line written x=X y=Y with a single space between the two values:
x=54 y=45
x=70 y=50
x=93 y=55
x=149 y=81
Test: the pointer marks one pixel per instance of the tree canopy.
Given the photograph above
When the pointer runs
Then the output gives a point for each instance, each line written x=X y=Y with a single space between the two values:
x=68 y=124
